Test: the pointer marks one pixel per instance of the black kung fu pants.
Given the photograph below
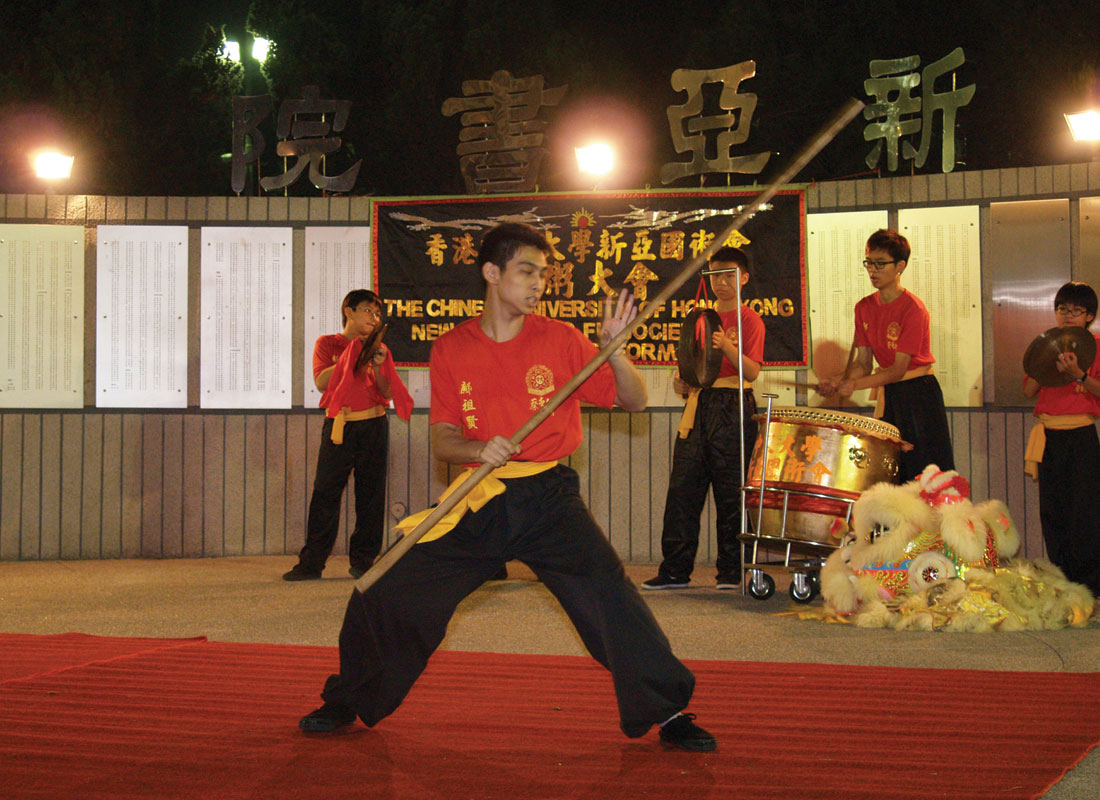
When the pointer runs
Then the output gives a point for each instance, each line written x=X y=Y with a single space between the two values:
x=1069 y=475
x=365 y=451
x=915 y=407
x=708 y=457
x=391 y=630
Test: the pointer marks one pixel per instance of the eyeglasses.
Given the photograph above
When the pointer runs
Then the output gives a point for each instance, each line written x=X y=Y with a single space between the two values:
x=1066 y=311
x=877 y=266
x=370 y=311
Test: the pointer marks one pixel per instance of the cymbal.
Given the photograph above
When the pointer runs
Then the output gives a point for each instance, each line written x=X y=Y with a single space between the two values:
x=1041 y=356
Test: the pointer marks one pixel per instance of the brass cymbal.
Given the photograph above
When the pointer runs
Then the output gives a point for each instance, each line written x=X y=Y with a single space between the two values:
x=1041 y=356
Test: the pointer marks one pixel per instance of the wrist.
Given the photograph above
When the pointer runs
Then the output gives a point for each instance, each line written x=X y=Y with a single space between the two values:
x=1083 y=378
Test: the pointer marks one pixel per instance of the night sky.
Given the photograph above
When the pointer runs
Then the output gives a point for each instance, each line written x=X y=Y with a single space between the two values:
x=120 y=83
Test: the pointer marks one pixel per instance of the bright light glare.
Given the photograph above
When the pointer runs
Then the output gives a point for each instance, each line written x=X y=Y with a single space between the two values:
x=260 y=46
x=596 y=159
x=1084 y=126
x=53 y=166
x=231 y=51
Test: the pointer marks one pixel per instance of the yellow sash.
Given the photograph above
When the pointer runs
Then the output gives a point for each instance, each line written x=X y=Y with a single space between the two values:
x=345 y=415
x=687 y=419
x=879 y=395
x=1037 y=439
x=489 y=487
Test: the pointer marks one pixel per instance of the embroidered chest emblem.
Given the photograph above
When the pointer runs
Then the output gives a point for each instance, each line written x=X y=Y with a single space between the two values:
x=893 y=331
x=540 y=380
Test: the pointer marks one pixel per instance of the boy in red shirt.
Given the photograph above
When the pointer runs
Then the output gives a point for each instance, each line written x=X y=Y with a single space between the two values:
x=893 y=325
x=355 y=436
x=1063 y=451
x=488 y=375
x=709 y=451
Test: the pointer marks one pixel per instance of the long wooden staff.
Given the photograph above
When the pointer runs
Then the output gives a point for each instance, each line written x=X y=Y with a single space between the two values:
x=836 y=123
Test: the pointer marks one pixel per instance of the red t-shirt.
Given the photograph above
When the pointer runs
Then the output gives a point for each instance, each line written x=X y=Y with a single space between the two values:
x=356 y=391
x=1072 y=399
x=325 y=353
x=752 y=328
x=490 y=388
x=902 y=326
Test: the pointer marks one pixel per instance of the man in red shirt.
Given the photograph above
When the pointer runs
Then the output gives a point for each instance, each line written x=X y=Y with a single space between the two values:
x=893 y=325
x=711 y=447
x=488 y=375
x=354 y=437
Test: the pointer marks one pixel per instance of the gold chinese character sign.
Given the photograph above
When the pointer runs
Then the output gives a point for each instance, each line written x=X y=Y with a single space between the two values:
x=897 y=114
x=691 y=128
x=501 y=141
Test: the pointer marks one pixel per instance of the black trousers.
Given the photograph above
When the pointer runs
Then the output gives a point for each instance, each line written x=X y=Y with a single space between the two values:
x=391 y=630
x=1069 y=480
x=915 y=407
x=709 y=457
x=364 y=452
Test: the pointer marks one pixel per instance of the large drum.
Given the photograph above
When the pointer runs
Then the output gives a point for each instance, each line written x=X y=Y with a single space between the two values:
x=827 y=458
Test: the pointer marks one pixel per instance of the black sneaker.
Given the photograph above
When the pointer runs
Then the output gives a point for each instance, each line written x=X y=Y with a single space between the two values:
x=327 y=719
x=300 y=573
x=728 y=580
x=666 y=582
x=356 y=571
x=682 y=732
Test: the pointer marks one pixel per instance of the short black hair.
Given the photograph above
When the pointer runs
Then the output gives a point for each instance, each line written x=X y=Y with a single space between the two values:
x=501 y=243
x=892 y=242
x=1077 y=293
x=356 y=296
x=734 y=254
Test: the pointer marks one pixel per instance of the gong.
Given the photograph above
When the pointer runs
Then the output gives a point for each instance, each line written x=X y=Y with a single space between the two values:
x=1041 y=356
x=697 y=359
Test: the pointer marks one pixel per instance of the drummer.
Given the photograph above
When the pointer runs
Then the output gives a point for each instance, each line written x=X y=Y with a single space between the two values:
x=709 y=446
x=892 y=325
x=1063 y=451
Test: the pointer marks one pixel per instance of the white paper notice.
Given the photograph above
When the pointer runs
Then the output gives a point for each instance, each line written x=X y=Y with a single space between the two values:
x=246 y=302
x=945 y=271
x=337 y=261
x=41 y=316
x=836 y=282
x=141 y=316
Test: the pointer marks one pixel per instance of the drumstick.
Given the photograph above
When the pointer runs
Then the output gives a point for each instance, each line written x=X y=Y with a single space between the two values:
x=826 y=134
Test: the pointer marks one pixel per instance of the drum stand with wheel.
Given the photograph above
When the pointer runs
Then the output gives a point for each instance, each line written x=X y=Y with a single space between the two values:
x=803 y=559
x=820 y=461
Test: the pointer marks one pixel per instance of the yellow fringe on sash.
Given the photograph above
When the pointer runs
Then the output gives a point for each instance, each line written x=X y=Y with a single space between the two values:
x=345 y=415
x=489 y=487
x=879 y=395
x=687 y=419
x=1037 y=439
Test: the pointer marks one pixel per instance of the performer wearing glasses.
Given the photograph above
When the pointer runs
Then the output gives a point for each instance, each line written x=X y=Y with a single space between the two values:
x=892 y=325
x=1063 y=452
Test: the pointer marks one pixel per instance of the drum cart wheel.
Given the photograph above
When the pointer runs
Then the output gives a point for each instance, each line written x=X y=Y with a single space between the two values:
x=804 y=587
x=761 y=584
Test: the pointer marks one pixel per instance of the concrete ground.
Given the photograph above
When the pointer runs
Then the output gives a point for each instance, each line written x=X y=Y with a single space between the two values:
x=243 y=599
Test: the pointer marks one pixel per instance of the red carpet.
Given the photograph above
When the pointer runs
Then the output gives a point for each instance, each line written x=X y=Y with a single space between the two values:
x=87 y=717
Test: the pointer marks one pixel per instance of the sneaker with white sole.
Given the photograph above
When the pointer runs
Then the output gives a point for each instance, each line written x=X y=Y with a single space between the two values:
x=728 y=580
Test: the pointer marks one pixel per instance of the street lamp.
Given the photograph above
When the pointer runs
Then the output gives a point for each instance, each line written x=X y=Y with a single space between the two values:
x=1084 y=126
x=595 y=159
x=231 y=51
x=51 y=166
x=260 y=48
